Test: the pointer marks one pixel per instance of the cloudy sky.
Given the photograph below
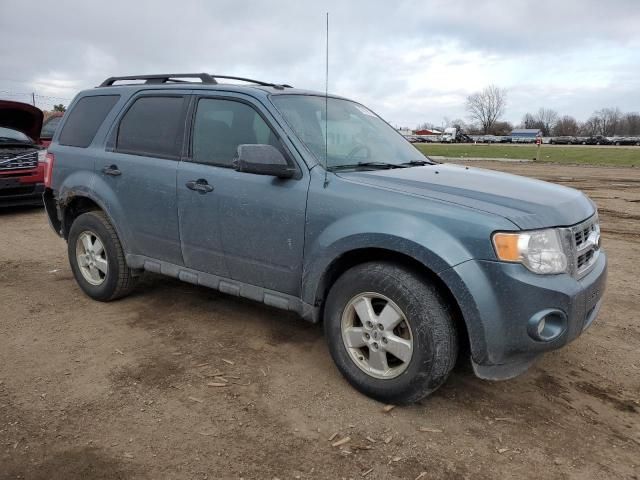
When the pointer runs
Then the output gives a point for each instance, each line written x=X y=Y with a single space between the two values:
x=411 y=61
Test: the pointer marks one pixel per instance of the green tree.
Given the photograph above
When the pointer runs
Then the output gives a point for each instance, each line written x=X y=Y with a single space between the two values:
x=59 y=108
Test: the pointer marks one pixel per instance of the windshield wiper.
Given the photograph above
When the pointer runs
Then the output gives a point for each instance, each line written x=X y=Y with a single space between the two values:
x=416 y=163
x=370 y=165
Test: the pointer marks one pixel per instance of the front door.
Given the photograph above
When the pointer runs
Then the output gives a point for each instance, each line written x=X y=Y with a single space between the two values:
x=247 y=227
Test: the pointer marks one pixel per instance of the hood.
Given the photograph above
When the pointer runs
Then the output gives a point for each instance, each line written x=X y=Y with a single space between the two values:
x=526 y=202
x=22 y=117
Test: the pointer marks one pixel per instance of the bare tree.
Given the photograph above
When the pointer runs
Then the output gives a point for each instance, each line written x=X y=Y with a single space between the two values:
x=501 y=128
x=426 y=126
x=631 y=124
x=590 y=127
x=546 y=119
x=529 y=121
x=487 y=106
x=609 y=120
x=567 y=125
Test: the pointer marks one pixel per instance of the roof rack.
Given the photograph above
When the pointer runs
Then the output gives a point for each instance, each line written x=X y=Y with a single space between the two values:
x=162 y=78
x=205 y=78
x=257 y=82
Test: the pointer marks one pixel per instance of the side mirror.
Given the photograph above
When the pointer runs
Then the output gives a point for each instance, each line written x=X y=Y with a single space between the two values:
x=262 y=160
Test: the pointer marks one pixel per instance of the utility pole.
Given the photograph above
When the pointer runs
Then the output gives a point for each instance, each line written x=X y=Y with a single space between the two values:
x=33 y=98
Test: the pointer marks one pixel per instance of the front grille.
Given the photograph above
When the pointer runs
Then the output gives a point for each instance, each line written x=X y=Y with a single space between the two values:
x=18 y=160
x=582 y=235
x=586 y=244
x=584 y=259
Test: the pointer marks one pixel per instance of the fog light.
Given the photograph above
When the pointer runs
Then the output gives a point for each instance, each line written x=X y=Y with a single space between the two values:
x=547 y=325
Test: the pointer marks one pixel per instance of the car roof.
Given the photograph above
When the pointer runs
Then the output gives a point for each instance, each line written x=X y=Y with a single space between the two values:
x=255 y=90
x=189 y=81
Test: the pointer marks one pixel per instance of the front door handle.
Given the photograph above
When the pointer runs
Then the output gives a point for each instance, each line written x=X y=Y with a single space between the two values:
x=200 y=185
x=111 y=170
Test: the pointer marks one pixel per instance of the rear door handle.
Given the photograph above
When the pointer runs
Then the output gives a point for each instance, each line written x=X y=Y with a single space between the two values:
x=200 y=185
x=111 y=170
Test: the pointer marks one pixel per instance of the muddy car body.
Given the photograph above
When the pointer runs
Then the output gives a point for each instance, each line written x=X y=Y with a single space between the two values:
x=317 y=206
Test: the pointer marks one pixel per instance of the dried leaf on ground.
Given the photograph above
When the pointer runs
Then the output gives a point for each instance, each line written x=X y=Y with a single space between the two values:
x=342 y=441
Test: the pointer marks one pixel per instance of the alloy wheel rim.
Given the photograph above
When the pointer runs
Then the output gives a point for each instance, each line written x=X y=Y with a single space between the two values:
x=91 y=258
x=377 y=335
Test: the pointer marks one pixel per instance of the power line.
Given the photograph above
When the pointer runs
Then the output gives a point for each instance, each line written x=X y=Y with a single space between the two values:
x=48 y=97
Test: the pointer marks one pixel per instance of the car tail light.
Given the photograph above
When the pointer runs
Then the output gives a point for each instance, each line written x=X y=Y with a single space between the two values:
x=48 y=169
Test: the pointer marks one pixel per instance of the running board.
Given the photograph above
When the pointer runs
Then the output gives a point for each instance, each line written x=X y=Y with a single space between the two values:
x=271 y=298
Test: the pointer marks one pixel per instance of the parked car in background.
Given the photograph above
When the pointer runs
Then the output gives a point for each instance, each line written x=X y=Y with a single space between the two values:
x=49 y=128
x=625 y=140
x=21 y=171
x=597 y=140
x=563 y=140
x=491 y=139
x=404 y=260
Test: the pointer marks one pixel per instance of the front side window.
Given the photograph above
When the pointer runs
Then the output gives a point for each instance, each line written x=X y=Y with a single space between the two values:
x=221 y=125
x=153 y=126
x=349 y=135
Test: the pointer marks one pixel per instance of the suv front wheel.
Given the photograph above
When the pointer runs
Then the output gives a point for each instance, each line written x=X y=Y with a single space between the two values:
x=97 y=259
x=390 y=332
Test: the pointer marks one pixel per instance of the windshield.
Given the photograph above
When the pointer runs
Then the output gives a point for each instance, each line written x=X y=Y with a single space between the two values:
x=49 y=128
x=355 y=135
x=8 y=135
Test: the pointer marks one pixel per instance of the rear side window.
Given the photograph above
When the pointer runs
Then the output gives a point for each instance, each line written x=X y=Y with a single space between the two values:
x=85 y=118
x=153 y=126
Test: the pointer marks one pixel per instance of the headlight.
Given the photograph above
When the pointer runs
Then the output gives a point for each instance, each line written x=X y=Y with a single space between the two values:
x=538 y=250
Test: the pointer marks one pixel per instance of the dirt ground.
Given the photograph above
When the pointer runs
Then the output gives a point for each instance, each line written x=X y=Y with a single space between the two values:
x=91 y=390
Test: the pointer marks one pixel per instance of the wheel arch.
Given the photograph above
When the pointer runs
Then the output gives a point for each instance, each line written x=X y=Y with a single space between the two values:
x=73 y=204
x=351 y=258
x=72 y=208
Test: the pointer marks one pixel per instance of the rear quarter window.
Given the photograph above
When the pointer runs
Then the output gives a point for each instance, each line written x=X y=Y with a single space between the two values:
x=85 y=118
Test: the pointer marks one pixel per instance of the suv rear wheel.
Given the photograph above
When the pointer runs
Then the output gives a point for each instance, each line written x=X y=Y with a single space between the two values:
x=97 y=259
x=390 y=333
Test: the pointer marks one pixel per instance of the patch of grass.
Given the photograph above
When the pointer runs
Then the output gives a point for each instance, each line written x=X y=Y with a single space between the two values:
x=548 y=153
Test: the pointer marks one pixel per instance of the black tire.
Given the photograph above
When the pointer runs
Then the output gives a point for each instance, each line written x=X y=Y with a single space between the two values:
x=119 y=279
x=435 y=341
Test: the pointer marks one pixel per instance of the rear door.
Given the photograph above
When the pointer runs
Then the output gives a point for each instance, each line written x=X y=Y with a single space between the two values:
x=140 y=164
x=240 y=225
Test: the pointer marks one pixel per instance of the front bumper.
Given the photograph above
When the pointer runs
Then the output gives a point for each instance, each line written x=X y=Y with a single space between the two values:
x=22 y=187
x=502 y=298
x=22 y=194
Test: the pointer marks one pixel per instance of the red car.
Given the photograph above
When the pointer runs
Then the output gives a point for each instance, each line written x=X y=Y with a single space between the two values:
x=22 y=158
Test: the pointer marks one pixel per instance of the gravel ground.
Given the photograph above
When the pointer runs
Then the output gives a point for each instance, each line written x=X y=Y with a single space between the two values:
x=130 y=389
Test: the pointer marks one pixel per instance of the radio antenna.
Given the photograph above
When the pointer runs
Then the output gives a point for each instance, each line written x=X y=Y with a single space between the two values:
x=326 y=108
